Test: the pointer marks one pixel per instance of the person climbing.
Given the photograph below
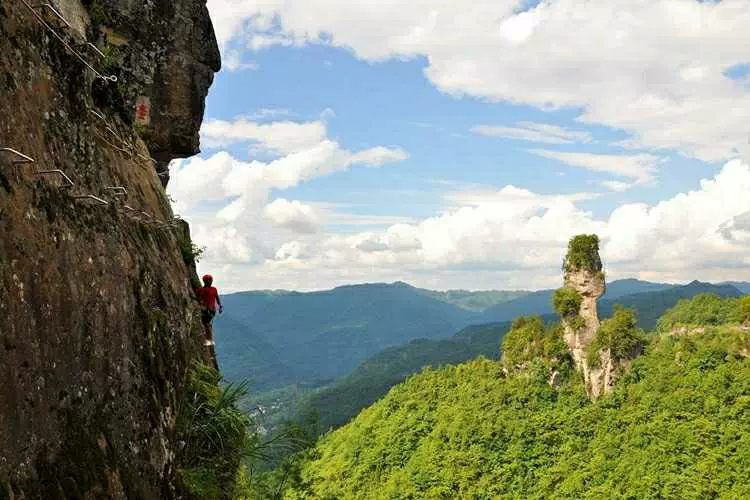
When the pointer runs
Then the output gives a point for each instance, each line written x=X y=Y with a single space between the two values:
x=210 y=302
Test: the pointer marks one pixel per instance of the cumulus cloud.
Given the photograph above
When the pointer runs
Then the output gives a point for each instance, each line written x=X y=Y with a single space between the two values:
x=534 y=132
x=513 y=238
x=293 y=215
x=227 y=199
x=278 y=137
x=232 y=61
x=653 y=68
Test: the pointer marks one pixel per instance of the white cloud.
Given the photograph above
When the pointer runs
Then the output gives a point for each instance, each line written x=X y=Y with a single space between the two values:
x=327 y=114
x=534 y=132
x=226 y=200
x=652 y=68
x=510 y=238
x=640 y=167
x=279 y=137
x=616 y=186
x=293 y=215
x=232 y=60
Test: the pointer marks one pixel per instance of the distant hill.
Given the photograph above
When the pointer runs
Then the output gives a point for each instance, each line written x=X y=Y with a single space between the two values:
x=280 y=338
x=317 y=337
x=475 y=301
x=372 y=379
x=651 y=305
x=541 y=302
x=742 y=286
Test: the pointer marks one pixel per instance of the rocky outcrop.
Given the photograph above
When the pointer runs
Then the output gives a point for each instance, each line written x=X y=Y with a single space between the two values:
x=581 y=328
x=97 y=319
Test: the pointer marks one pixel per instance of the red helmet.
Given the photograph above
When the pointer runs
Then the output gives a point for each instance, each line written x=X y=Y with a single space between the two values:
x=208 y=277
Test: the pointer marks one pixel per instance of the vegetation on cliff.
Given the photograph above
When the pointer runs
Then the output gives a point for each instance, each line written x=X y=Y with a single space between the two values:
x=676 y=425
x=706 y=310
x=214 y=436
x=619 y=336
x=583 y=254
x=530 y=339
x=567 y=302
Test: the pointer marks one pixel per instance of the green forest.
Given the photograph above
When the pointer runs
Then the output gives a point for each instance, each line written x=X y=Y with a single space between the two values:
x=677 y=424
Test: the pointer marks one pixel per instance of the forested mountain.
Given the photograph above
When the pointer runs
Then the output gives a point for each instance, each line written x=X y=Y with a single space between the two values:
x=336 y=405
x=317 y=337
x=651 y=305
x=677 y=425
x=277 y=338
x=373 y=378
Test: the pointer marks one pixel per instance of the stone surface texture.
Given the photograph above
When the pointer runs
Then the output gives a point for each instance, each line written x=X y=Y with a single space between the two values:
x=98 y=321
x=579 y=333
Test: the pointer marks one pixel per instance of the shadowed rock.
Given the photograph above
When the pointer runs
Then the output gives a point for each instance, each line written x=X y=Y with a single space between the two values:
x=98 y=323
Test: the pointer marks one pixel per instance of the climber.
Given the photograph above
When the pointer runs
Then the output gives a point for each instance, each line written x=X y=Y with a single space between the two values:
x=210 y=302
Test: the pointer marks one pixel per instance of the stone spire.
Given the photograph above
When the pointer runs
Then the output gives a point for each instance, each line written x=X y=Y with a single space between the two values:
x=576 y=304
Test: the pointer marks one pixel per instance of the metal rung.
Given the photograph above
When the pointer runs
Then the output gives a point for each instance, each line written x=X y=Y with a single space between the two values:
x=90 y=197
x=55 y=12
x=24 y=158
x=113 y=145
x=60 y=173
x=96 y=49
x=146 y=158
x=38 y=16
x=97 y=114
x=119 y=190
x=147 y=215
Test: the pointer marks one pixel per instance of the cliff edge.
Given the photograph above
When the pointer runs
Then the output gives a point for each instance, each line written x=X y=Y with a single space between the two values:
x=98 y=324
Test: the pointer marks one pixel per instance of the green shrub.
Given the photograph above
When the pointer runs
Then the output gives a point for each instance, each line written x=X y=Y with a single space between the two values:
x=620 y=334
x=530 y=339
x=215 y=433
x=742 y=313
x=567 y=302
x=191 y=253
x=677 y=425
x=706 y=309
x=583 y=254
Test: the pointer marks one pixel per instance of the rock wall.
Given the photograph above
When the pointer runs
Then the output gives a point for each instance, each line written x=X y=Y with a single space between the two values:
x=581 y=329
x=98 y=322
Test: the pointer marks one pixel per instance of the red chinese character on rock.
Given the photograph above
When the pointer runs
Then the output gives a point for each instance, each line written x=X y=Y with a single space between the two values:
x=142 y=111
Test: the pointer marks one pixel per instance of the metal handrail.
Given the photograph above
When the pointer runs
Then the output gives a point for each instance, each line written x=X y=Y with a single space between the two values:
x=90 y=197
x=60 y=173
x=110 y=78
x=121 y=191
x=24 y=158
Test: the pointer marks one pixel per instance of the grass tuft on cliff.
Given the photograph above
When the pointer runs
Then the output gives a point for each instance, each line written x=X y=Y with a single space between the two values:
x=214 y=435
x=677 y=425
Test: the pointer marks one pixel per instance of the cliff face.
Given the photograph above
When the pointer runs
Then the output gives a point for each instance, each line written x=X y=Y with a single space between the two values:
x=97 y=320
x=582 y=330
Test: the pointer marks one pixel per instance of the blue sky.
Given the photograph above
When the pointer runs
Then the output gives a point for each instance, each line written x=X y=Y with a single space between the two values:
x=393 y=103
x=609 y=136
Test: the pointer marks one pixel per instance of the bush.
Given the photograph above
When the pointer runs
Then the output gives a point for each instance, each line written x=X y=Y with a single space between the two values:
x=620 y=334
x=567 y=302
x=530 y=339
x=742 y=313
x=706 y=309
x=215 y=435
x=583 y=254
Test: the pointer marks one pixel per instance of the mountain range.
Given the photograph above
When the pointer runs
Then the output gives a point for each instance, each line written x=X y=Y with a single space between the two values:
x=340 y=350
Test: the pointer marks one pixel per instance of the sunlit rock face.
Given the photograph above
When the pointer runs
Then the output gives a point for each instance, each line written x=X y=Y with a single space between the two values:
x=98 y=323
